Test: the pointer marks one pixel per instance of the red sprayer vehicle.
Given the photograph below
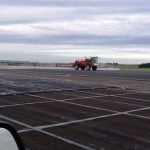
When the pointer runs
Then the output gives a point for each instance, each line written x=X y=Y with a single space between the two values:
x=86 y=64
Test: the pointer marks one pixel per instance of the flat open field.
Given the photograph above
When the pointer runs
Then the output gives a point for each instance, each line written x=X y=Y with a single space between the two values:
x=76 y=111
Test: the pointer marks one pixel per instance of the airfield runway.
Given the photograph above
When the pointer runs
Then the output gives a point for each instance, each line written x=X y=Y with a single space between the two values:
x=77 y=110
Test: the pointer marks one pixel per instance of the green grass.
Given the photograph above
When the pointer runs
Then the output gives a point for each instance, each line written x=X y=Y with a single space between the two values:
x=131 y=67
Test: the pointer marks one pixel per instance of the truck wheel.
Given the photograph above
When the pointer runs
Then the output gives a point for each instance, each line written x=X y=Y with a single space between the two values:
x=87 y=67
x=94 y=68
x=83 y=68
x=76 y=67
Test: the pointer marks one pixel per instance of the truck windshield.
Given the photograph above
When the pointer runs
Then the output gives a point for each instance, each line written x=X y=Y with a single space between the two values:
x=94 y=60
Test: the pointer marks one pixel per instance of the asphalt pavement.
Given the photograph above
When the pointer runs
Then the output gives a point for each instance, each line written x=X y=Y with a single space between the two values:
x=106 y=73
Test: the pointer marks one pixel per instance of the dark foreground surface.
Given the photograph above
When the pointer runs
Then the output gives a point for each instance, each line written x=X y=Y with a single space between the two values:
x=52 y=114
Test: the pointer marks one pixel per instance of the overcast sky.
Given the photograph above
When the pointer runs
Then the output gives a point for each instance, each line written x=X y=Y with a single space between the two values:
x=63 y=30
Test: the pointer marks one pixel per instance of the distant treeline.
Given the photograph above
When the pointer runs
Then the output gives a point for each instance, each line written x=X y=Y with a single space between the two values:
x=5 y=62
x=146 y=65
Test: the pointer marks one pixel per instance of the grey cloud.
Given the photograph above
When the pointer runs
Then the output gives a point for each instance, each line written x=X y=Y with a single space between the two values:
x=76 y=14
x=84 y=10
x=80 y=39
x=77 y=2
x=72 y=9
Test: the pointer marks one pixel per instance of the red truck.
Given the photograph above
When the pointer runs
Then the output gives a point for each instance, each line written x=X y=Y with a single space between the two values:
x=86 y=64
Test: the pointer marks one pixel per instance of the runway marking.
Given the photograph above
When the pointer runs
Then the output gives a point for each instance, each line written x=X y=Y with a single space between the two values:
x=81 y=91
x=100 y=76
x=70 y=122
x=98 y=108
x=29 y=76
x=125 y=103
x=138 y=99
x=64 y=100
x=84 y=75
x=120 y=96
x=67 y=140
x=140 y=109
x=128 y=113
x=71 y=94
x=48 y=133
x=55 y=100
x=70 y=99
x=15 y=121
x=14 y=105
x=84 y=97
x=101 y=95
x=139 y=116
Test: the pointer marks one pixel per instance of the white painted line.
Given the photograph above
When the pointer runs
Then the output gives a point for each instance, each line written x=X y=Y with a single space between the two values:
x=50 y=134
x=110 y=77
x=125 y=103
x=23 y=104
x=63 y=124
x=139 y=116
x=119 y=96
x=71 y=94
x=100 y=94
x=15 y=121
x=50 y=100
x=70 y=122
x=67 y=140
x=84 y=97
x=93 y=76
x=114 y=95
x=105 y=95
x=97 y=97
x=37 y=96
x=138 y=99
x=26 y=130
x=69 y=99
x=88 y=119
x=140 y=109
x=78 y=121
x=98 y=108
x=66 y=101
